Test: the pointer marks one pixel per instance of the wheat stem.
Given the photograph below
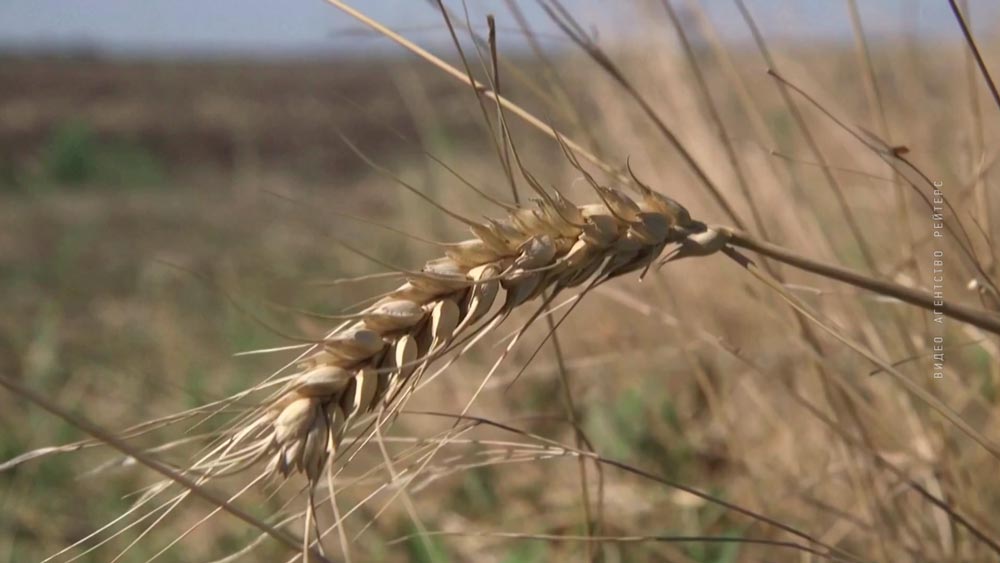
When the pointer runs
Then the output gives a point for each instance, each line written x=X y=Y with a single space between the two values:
x=923 y=299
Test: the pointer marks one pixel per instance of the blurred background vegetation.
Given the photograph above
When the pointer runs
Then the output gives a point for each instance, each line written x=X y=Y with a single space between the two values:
x=121 y=176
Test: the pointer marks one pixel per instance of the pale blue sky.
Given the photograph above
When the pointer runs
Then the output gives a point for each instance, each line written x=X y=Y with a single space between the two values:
x=277 y=27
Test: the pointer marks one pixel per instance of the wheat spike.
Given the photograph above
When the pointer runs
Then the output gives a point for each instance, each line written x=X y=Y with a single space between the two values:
x=368 y=362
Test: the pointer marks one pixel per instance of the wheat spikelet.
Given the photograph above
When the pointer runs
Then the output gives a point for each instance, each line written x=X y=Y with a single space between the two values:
x=370 y=361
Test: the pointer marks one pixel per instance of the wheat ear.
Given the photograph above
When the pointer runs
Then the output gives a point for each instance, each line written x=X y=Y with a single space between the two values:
x=367 y=363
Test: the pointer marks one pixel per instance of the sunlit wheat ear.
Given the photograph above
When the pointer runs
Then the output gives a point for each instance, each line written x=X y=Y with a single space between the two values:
x=370 y=362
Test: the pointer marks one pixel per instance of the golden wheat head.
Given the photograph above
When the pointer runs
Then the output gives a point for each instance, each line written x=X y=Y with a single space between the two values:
x=367 y=361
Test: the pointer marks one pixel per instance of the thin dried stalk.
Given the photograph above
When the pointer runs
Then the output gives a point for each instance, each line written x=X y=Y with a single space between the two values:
x=967 y=33
x=923 y=299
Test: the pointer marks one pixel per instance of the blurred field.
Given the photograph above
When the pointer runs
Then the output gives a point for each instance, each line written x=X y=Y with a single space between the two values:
x=120 y=179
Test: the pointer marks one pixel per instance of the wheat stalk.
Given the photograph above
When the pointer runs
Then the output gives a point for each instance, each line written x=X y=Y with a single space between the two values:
x=367 y=362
